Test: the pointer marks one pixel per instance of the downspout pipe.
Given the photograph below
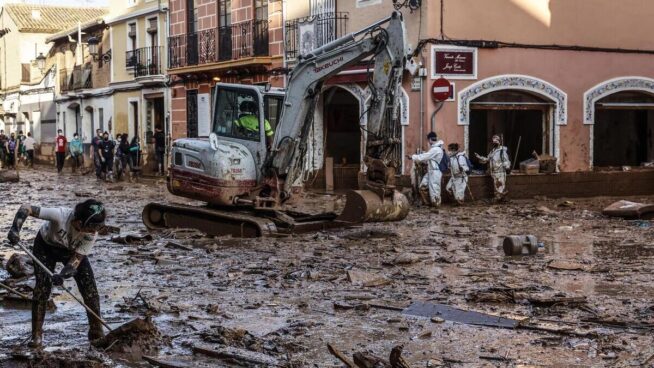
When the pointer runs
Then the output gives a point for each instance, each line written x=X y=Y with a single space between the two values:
x=433 y=116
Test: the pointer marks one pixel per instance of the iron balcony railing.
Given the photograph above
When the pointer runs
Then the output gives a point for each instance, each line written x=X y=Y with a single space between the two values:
x=236 y=41
x=145 y=61
x=308 y=33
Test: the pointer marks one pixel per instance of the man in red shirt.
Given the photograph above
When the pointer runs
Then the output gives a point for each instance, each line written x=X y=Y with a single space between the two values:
x=60 y=150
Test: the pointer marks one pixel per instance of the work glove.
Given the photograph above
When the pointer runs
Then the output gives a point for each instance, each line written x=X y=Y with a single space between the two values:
x=67 y=272
x=13 y=236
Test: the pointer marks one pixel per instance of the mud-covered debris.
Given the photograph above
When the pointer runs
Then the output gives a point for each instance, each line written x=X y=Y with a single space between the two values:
x=367 y=279
x=20 y=265
x=237 y=356
x=396 y=359
x=232 y=337
x=166 y=362
x=342 y=357
x=131 y=238
x=364 y=359
x=57 y=359
x=135 y=338
x=406 y=259
x=567 y=265
x=176 y=245
x=629 y=210
x=9 y=176
x=372 y=234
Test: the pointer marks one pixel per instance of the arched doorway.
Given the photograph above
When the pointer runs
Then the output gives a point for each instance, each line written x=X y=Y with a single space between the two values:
x=341 y=113
x=522 y=118
x=623 y=130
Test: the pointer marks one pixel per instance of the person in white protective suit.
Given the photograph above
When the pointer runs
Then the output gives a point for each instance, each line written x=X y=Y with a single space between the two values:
x=459 y=170
x=498 y=164
x=431 y=182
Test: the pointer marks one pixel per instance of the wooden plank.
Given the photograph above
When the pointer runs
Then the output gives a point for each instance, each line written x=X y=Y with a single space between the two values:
x=329 y=174
x=238 y=355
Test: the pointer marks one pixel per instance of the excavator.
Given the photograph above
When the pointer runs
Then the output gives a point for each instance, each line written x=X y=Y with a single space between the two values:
x=254 y=161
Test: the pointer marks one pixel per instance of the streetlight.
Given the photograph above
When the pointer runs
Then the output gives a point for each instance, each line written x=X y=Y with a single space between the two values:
x=40 y=62
x=93 y=42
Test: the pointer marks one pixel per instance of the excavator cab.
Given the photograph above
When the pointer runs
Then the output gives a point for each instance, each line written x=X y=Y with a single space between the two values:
x=248 y=115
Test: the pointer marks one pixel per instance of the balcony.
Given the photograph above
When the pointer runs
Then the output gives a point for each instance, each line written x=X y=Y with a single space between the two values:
x=316 y=31
x=233 y=42
x=145 y=61
x=75 y=79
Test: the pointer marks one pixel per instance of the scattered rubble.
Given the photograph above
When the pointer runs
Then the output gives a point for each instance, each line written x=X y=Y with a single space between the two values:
x=583 y=299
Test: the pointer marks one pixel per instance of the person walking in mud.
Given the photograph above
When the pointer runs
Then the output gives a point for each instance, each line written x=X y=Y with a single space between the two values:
x=76 y=152
x=29 y=149
x=60 y=150
x=459 y=169
x=160 y=150
x=3 y=151
x=498 y=165
x=66 y=237
x=431 y=182
x=107 y=147
x=95 y=153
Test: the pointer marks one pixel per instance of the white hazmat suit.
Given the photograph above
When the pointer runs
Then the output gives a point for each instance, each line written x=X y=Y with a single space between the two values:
x=459 y=179
x=499 y=162
x=432 y=179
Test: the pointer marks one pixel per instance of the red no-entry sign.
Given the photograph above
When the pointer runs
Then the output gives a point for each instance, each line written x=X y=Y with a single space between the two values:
x=441 y=89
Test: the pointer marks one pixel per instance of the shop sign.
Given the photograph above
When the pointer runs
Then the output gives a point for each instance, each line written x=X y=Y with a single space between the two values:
x=453 y=62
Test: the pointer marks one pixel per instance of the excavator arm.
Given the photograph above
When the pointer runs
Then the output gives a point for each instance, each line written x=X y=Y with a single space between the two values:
x=387 y=48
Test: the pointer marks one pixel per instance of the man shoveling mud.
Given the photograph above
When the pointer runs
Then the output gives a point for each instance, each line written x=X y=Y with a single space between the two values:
x=66 y=237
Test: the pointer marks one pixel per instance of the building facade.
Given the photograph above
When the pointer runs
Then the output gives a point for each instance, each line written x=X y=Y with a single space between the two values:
x=83 y=98
x=28 y=89
x=234 y=41
x=138 y=78
x=543 y=74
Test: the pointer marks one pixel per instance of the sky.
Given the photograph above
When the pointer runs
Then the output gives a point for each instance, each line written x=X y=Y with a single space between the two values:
x=60 y=2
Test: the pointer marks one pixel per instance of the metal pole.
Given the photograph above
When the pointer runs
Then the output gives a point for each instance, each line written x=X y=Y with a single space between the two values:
x=47 y=271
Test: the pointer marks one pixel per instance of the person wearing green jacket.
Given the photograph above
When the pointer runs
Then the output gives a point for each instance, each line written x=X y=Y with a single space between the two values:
x=76 y=151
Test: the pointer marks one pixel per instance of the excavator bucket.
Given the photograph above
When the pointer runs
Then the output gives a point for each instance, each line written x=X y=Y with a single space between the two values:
x=367 y=206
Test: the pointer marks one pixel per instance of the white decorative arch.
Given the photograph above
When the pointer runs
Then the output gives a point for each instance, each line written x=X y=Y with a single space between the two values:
x=361 y=94
x=513 y=81
x=610 y=87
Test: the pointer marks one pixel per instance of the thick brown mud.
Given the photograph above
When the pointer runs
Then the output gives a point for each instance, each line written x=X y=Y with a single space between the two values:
x=585 y=300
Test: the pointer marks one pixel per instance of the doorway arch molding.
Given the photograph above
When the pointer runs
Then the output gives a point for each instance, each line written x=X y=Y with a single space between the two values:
x=610 y=87
x=607 y=88
x=515 y=82
x=558 y=115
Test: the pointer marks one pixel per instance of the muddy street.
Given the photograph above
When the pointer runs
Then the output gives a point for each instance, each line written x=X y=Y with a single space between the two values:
x=585 y=299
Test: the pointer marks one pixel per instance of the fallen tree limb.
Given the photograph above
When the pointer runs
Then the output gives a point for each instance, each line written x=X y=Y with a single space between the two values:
x=335 y=352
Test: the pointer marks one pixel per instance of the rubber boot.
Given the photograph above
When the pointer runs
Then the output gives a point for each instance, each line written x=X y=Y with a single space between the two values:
x=38 y=316
x=424 y=196
x=95 y=331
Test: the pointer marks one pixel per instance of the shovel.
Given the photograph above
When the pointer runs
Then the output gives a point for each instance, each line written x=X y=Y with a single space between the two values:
x=135 y=326
x=36 y=260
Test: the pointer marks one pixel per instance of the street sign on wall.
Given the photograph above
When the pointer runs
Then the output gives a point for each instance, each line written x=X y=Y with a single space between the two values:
x=441 y=90
x=453 y=62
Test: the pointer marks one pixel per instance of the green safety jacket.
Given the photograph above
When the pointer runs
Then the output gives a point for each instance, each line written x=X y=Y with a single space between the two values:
x=251 y=123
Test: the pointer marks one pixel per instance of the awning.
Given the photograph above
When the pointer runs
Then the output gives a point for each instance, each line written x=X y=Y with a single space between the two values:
x=355 y=74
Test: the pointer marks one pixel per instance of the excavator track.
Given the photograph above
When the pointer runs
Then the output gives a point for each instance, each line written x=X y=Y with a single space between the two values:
x=208 y=220
x=361 y=206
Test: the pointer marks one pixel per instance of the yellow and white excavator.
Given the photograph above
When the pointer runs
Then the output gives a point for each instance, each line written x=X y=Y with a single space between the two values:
x=246 y=174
